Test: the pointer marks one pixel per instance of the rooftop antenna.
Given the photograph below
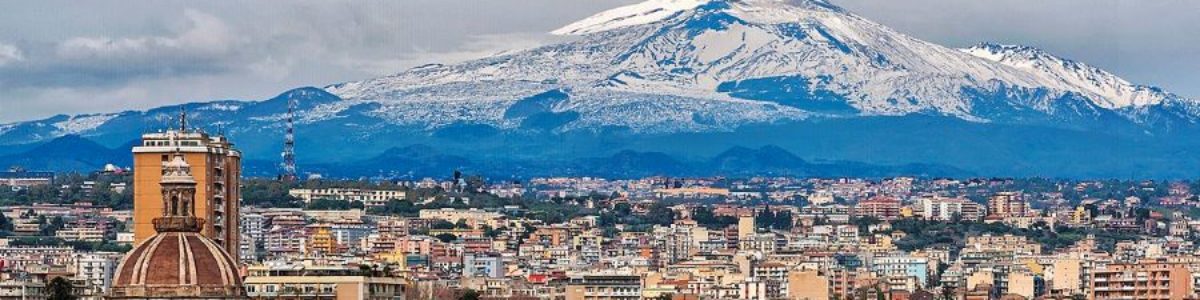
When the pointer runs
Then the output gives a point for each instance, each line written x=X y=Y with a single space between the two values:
x=182 y=119
x=289 y=145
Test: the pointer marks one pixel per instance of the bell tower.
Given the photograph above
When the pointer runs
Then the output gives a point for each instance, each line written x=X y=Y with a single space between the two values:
x=179 y=198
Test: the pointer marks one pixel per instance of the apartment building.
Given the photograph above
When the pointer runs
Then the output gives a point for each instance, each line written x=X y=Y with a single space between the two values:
x=604 y=287
x=369 y=198
x=1148 y=279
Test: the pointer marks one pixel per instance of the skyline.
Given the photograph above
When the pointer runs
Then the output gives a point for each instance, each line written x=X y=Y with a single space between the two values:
x=600 y=150
x=169 y=53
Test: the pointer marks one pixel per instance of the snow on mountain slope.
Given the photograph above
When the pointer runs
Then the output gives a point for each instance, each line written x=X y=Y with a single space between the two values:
x=78 y=124
x=1109 y=91
x=637 y=14
x=5 y=128
x=761 y=60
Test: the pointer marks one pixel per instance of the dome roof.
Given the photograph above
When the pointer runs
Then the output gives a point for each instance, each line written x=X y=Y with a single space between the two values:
x=174 y=265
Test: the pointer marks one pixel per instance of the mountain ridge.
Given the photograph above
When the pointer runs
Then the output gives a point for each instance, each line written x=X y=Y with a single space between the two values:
x=715 y=72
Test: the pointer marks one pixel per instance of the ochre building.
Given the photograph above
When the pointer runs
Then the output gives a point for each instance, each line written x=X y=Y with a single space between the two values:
x=215 y=166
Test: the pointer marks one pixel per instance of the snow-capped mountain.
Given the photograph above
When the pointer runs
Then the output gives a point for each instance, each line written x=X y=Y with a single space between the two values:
x=693 y=78
x=656 y=65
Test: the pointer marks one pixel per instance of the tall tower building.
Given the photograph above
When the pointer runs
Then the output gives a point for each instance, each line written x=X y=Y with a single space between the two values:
x=216 y=167
x=746 y=227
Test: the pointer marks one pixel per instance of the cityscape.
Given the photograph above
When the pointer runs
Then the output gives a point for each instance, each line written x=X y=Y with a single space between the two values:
x=462 y=236
x=657 y=149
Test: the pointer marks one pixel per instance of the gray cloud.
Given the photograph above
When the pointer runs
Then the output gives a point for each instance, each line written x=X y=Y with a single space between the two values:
x=10 y=54
x=116 y=55
x=62 y=56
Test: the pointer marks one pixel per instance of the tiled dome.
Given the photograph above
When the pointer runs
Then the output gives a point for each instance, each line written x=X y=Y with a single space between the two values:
x=177 y=265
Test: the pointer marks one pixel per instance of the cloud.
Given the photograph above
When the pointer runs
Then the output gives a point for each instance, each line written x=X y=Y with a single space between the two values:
x=205 y=36
x=204 y=44
x=198 y=43
x=10 y=54
x=138 y=56
x=473 y=47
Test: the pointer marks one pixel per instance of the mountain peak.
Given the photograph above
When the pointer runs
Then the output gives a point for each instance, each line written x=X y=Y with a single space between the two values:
x=630 y=15
x=307 y=92
x=651 y=11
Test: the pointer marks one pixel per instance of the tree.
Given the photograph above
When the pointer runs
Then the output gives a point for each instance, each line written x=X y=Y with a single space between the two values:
x=622 y=209
x=475 y=183
x=330 y=204
x=490 y=232
x=442 y=224
x=270 y=193
x=781 y=220
x=5 y=224
x=864 y=223
x=60 y=289
x=397 y=207
x=703 y=215
x=447 y=237
x=1141 y=213
x=469 y=294
x=947 y=294
x=660 y=214
x=51 y=227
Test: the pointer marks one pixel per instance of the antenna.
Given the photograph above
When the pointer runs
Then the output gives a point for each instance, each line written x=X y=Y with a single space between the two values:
x=182 y=119
x=289 y=145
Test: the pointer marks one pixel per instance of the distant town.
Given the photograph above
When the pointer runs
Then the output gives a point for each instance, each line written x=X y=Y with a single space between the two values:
x=461 y=236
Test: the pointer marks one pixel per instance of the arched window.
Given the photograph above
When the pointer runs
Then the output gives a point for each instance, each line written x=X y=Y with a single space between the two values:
x=174 y=205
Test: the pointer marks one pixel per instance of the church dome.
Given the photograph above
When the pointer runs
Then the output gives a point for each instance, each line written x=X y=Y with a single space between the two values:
x=177 y=265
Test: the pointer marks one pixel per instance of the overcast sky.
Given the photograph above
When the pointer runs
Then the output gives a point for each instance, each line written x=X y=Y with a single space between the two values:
x=73 y=57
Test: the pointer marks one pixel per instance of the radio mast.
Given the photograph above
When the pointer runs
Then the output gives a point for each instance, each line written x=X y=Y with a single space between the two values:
x=288 y=165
